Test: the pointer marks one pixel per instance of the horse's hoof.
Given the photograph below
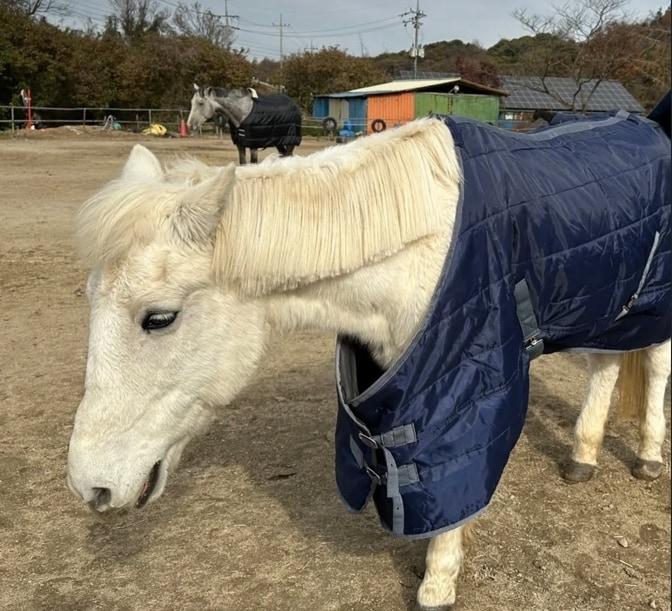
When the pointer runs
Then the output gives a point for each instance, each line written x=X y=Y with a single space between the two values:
x=647 y=469
x=419 y=607
x=576 y=472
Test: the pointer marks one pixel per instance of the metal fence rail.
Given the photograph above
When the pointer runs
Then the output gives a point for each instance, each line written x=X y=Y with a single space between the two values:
x=136 y=119
x=15 y=117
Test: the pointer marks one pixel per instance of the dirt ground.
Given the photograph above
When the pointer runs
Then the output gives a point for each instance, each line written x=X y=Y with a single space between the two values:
x=251 y=520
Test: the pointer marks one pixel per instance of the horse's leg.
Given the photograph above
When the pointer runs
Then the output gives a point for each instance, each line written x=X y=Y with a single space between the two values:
x=289 y=151
x=253 y=156
x=282 y=150
x=241 y=155
x=649 y=464
x=589 y=430
x=442 y=566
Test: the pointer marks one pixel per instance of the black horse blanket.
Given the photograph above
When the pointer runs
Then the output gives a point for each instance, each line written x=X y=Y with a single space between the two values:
x=275 y=120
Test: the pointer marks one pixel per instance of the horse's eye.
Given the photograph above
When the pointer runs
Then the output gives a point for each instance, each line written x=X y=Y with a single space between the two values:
x=158 y=320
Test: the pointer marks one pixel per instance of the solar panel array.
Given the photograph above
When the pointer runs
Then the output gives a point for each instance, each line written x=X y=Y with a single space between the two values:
x=527 y=93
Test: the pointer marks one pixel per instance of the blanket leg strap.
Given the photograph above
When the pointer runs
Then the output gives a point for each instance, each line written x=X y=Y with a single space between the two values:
x=395 y=476
x=628 y=306
x=532 y=340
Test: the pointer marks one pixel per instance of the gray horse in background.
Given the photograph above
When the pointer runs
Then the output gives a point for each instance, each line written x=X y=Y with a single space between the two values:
x=255 y=122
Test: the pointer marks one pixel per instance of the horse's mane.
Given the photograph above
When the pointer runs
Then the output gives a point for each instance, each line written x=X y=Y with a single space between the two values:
x=218 y=92
x=300 y=219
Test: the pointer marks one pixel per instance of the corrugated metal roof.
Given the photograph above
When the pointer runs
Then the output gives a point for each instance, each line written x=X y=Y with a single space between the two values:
x=343 y=94
x=437 y=85
x=404 y=85
x=527 y=93
x=424 y=74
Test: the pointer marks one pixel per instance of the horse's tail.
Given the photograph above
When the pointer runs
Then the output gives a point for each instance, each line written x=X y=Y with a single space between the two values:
x=632 y=386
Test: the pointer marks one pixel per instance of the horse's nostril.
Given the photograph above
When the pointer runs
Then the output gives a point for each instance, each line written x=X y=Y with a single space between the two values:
x=101 y=497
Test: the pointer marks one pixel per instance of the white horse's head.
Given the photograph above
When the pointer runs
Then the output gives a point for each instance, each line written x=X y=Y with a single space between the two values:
x=202 y=108
x=165 y=344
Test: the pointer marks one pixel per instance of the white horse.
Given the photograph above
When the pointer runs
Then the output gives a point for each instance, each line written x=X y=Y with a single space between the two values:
x=195 y=266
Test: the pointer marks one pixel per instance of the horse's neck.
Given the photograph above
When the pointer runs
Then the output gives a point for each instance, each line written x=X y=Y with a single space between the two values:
x=350 y=240
x=382 y=305
x=234 y=109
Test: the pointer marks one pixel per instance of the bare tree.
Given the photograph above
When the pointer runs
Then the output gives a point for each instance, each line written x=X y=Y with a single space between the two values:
x=196 y=21
x=653 y=60
x=38 y=8
x=579 y=46
x=134 y=18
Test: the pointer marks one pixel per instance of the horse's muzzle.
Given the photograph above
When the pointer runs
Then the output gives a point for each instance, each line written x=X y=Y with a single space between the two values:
x=102 y=497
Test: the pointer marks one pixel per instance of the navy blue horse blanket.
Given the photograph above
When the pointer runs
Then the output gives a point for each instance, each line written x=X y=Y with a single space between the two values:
x=275 y=120
x=562 y=241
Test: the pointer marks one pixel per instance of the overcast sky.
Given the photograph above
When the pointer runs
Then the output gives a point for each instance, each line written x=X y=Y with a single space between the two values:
x=371 y=26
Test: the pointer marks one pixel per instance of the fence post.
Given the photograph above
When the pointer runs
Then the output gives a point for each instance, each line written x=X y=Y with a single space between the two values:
x=150 y=115
x=12 y=117
x=84 y=117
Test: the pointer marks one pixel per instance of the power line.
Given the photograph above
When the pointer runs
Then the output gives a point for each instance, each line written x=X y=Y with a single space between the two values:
x=255 y=23
x=85 y=19
x=302 y=12
x=297 y=40
x=247 y=44
x=168 y=3
x=92 y=9
x=260 y=52
x=320 y=33
x=353 y=32
x=207 y=11
x=353 y=29
x=89 y=11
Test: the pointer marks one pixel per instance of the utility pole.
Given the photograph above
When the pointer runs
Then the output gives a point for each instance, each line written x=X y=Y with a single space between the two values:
x=281 y=25
x=415 y=17
x=362 y=48
x=228 y=19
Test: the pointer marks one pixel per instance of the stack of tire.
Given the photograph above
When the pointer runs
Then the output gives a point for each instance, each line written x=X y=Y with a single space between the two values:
x=378 y=125
x=329 y=126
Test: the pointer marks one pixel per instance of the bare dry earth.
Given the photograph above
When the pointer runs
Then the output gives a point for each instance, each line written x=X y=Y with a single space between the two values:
x=251 y=520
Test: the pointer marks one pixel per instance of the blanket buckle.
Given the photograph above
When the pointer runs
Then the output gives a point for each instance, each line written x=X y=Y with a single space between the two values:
x=368 y=441
x=377 y=479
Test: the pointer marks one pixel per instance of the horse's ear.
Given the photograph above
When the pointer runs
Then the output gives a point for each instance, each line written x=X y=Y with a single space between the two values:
x=253 y=93
x=198 y=215
x=142 y=165
x=196 y=87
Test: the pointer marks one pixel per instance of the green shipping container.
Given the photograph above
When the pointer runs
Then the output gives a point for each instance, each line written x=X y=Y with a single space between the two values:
x=481 y=107
x=426 y=103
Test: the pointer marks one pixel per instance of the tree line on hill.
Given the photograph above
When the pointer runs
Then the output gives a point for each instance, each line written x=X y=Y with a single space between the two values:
x=148 y=57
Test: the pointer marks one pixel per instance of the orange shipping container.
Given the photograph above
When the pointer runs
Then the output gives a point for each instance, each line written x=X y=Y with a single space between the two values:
x=395 y=109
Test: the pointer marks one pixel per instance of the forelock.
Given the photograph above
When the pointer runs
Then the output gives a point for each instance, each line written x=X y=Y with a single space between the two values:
x=127 y=215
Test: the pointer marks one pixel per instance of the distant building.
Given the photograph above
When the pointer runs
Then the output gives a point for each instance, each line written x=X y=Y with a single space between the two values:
x=396 y=102
x=515 y=104
x=527 y=96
